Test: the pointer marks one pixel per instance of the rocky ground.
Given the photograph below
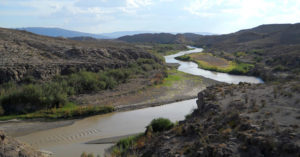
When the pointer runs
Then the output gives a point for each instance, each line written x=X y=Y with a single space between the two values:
x=235 y=120
x=13 y=148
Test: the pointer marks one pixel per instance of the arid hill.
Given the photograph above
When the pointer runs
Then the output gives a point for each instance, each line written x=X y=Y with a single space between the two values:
x=26 y=54
x=232 y=120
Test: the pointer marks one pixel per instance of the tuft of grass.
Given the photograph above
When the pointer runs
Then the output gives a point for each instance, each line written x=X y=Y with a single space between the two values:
x=174 y=76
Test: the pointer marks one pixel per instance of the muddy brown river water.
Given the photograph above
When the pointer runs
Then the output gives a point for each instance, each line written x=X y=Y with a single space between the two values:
x=69 y=141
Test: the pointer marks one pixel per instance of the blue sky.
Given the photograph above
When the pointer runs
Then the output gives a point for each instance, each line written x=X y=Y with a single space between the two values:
x=101 y=16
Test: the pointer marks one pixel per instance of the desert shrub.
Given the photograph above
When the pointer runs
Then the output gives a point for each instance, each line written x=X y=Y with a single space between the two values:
x=1 y=110
x=28 y=80
x=90 y=155
x=239 y=54
x=31 y=98
x=30 y=95
x=241 y=68
x=279 y=68
x=142 y=61
x=84 y=154
x=161 y=124
x=183 y=58
x=84 y=81
x=146 y=67
x=258 y=58
x=120 y=75
x=122 y=147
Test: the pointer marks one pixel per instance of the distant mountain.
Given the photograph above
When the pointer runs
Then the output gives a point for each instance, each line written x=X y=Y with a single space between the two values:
x=115 y=35
x=204 y=33
x=58 y=32
x=262 y=36
x=82 y=38
x=162 y=38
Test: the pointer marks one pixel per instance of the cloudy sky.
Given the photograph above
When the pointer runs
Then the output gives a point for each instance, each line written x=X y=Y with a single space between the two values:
x=99 y=16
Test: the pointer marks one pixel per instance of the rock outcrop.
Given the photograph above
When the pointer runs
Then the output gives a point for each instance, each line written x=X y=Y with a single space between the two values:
x=10 y=147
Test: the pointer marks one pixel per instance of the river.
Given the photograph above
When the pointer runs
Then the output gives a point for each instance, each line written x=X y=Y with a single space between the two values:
x=192 y=68
x=69 y=141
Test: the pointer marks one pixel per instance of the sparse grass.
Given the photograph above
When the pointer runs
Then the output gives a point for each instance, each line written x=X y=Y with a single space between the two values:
x=131 y=143
x=173 y=77
x=69 y=111
x=123 y=146
x=231 y=67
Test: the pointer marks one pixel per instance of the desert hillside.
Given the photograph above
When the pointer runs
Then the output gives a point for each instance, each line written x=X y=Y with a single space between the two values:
x=26 y=54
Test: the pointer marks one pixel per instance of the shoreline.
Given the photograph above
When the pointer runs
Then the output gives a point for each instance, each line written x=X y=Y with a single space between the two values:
x=18 y=128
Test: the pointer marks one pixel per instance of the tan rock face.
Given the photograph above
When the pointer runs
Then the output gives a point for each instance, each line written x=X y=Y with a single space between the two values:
x=10 y=147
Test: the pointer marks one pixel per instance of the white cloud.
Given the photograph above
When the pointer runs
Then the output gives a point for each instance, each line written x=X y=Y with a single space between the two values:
x=245 y=13
x=138 y=3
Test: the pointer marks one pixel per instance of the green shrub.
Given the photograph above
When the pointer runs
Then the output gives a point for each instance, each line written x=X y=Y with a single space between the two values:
x=30 y=95
x=239 y=54
x=31 y=98
x=161 y=124
x=1 y=111
x=280 y=68
x=84 y=154
x=146 y=67
x=122 y=147
x=183 y=58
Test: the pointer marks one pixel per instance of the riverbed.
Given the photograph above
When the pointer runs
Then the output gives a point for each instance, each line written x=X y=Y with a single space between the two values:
x=69 y=141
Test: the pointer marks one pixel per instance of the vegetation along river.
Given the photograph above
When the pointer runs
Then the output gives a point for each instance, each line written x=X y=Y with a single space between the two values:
x=69 y=141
